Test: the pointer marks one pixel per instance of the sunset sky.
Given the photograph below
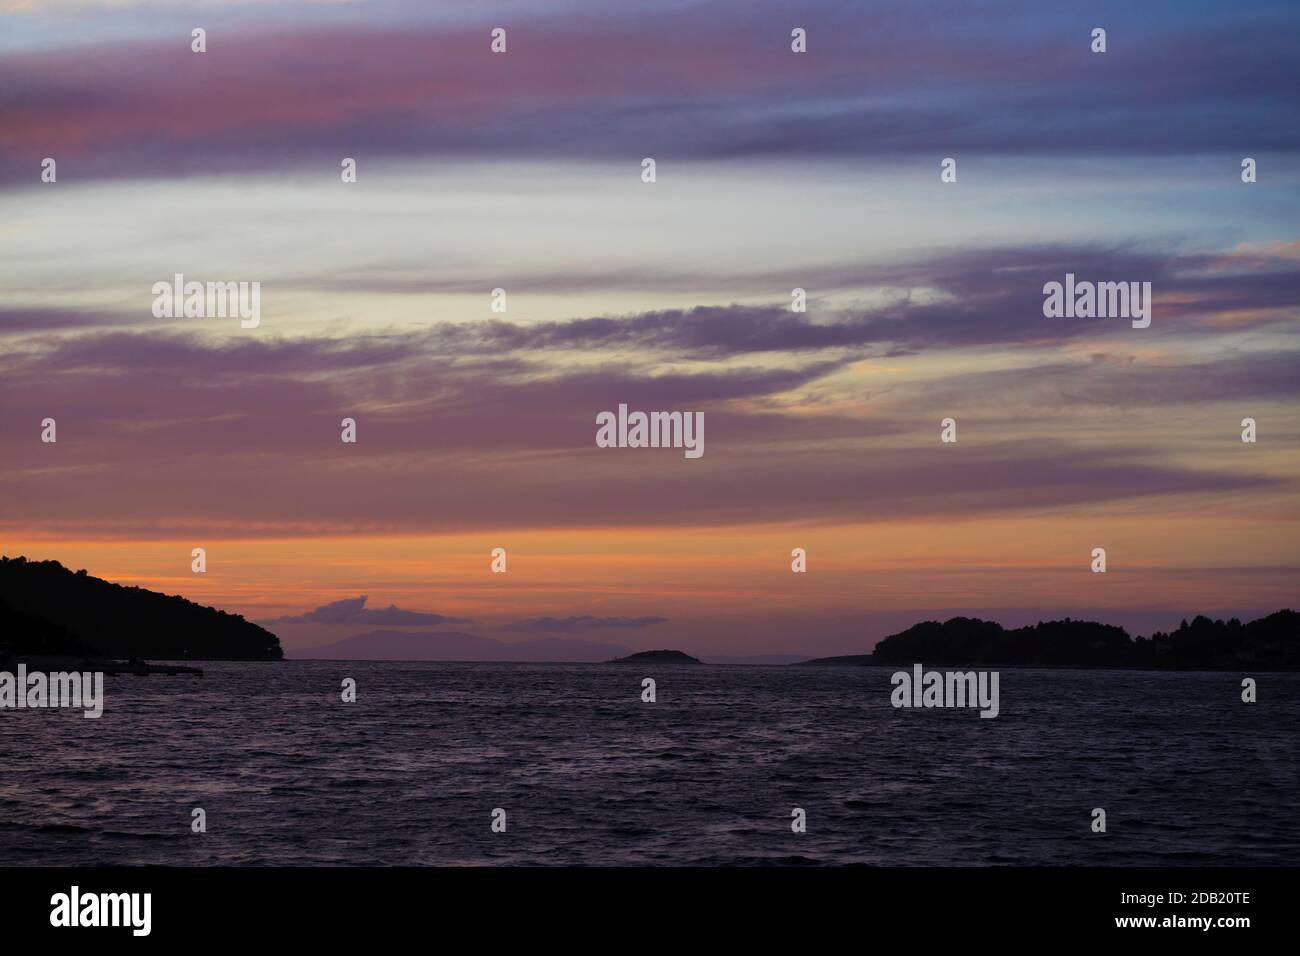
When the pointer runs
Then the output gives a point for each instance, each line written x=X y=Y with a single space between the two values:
x=775 y=170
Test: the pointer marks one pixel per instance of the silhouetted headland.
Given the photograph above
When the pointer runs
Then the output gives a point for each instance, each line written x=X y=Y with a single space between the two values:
x=656 y=657
x=1269 y=643
x=48 y=610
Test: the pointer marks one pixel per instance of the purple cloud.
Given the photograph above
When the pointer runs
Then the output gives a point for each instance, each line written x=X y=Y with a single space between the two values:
x=695 y=81
x=353 y=611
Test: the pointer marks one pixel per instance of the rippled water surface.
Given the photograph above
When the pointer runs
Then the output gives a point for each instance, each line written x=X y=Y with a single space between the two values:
x=588 y=774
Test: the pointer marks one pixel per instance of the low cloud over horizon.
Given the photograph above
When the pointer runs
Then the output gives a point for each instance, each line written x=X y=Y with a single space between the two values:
x=352 y=611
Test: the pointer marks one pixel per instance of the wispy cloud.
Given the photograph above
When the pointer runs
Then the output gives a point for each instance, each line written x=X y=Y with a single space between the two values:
x=792 y=400
x=426 y=90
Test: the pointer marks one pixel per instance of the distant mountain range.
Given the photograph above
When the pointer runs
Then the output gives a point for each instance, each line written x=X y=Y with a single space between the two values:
x=47 y=609
x=1269 y=643
x=454 y=646
x=768 y=659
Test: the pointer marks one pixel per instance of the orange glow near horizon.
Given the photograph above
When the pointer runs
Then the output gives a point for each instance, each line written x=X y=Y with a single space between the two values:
x=701 y=578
